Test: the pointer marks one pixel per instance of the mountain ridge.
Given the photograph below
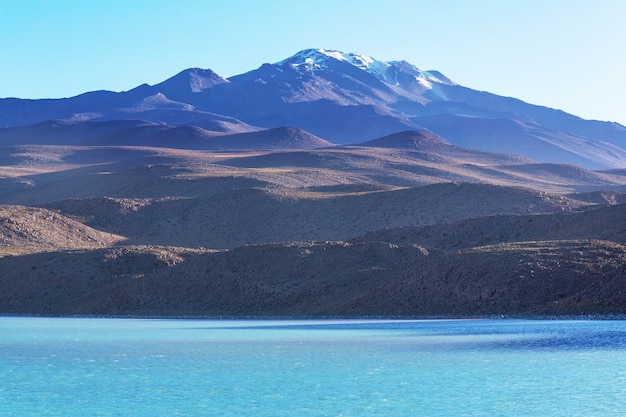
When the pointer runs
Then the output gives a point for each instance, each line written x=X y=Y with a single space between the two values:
x=344 y=98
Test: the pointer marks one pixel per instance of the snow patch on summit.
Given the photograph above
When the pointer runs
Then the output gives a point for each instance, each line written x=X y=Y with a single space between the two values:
x=311 y=59
x=319 y=58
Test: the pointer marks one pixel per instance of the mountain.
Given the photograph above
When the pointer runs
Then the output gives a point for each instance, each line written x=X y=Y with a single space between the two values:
x=326 y=184
x=344 y=98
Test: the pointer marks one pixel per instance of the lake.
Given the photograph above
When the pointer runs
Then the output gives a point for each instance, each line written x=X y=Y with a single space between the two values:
x=132 y=367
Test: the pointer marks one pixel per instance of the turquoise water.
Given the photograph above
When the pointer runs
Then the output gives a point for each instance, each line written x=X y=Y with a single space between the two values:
x=129 y=367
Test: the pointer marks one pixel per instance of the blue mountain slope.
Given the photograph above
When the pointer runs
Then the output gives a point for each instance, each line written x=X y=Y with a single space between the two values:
x=344 y=98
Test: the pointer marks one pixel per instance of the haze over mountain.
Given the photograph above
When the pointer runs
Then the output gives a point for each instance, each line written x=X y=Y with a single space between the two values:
x=344 y=98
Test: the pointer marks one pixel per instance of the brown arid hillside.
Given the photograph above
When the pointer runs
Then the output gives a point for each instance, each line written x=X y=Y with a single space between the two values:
x=254 y=215
x=321 y=279
x=407 y=225
x=606 y=223
x=26 y=230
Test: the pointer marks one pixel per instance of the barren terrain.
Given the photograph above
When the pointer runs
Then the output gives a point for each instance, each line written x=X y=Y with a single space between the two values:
x=404 y=226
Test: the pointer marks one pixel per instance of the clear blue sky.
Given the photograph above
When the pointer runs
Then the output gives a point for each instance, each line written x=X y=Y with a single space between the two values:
x=566 y=54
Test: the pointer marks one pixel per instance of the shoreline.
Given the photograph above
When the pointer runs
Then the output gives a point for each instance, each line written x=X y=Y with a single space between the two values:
x=547 y=317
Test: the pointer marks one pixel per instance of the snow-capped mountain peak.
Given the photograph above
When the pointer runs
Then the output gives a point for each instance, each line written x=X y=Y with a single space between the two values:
x=313 y=59
x=320 y=58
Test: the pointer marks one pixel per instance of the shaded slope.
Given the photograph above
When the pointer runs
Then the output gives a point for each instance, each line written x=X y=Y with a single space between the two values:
x=605 y=223
x=322 y=279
